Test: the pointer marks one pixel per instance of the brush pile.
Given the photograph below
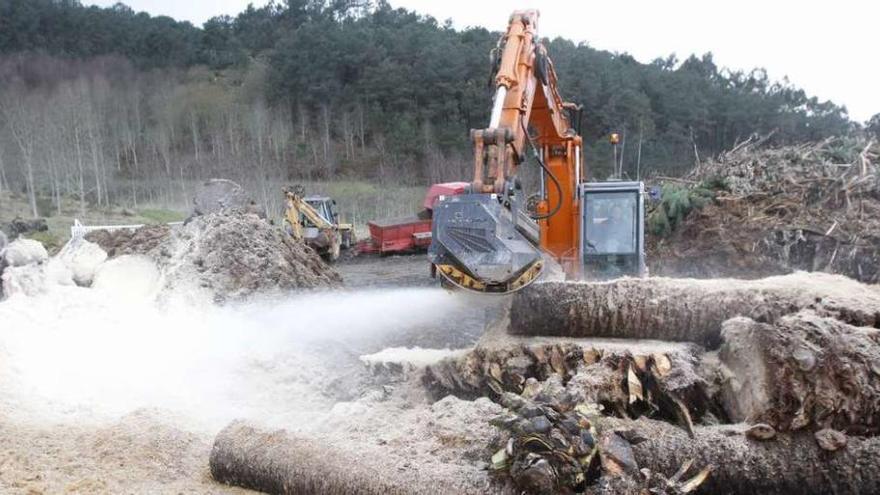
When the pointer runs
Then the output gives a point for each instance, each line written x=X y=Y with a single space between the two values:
x=813 y=207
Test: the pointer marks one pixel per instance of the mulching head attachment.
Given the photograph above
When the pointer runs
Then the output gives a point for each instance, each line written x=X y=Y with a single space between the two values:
x=476 y=246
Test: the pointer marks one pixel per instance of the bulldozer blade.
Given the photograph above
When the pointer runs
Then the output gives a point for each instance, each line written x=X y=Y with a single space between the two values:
x=476 y=246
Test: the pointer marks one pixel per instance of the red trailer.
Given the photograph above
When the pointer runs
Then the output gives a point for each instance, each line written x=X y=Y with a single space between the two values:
x=408 y=234
x=395 y=235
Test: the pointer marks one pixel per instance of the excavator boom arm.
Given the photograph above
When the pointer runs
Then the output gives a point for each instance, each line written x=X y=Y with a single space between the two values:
x=477 y=238
x=526 y=91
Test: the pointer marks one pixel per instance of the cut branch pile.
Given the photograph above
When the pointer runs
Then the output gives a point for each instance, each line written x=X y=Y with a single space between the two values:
x=567 y=375
x=813 y=207
x=833 y=172
x=558 y=451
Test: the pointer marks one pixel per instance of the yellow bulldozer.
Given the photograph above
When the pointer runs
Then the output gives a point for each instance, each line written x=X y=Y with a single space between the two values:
x=314 y=220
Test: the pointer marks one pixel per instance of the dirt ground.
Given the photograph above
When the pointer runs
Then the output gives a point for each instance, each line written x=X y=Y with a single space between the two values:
x=142 y=452
x=386 y=271
x=104 y=393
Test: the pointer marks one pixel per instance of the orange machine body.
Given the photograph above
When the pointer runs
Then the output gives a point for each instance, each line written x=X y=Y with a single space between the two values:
x=483 y=240
x=527 y=100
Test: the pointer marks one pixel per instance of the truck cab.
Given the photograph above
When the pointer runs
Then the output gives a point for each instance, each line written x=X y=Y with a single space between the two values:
x=612 y=233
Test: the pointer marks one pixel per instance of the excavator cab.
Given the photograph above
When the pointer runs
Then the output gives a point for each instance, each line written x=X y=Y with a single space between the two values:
x=613 y=229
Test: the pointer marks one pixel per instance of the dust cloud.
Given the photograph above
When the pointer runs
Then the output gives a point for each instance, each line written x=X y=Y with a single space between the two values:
x=75 y=354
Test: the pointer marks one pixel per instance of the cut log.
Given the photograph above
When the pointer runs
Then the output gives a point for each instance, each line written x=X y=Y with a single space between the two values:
x=802 y=372
x=684 y=309
x=279 y=462
x=627 y=381
x=792 y=463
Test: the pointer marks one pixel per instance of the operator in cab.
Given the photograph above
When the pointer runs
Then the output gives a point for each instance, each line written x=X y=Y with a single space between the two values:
x=619 y=231
x=611 y=227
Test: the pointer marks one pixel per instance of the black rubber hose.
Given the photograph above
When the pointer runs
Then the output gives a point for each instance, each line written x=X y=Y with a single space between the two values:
x=547 y=171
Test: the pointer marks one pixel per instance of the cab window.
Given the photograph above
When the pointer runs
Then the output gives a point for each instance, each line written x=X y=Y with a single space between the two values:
x=322 y=208
x=610 y=223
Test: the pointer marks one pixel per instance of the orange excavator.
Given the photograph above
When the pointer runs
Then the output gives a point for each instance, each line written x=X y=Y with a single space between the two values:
x=486 y=240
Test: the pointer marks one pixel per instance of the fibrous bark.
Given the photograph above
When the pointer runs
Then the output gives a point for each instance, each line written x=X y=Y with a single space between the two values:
x=791 y=463
x=803 y=372
x=274 y=462
x=278 y=462
x=683 y=309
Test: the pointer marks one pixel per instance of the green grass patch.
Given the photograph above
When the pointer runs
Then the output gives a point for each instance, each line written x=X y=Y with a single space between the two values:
x=359 y=202
x=159 y=215
x=50 y=240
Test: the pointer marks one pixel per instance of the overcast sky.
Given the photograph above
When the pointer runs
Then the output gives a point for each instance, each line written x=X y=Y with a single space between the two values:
x=830 y=49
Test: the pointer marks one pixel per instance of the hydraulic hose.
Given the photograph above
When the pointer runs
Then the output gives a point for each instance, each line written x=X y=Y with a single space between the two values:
x=547 y=171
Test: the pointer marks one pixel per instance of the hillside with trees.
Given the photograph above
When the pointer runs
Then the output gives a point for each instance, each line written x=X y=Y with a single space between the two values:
x=110 y=106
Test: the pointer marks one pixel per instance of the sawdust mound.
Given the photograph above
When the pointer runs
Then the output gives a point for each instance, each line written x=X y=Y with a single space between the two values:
x=141 y=452
x=230 y=254
x=236 y=255
x=812 y=207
